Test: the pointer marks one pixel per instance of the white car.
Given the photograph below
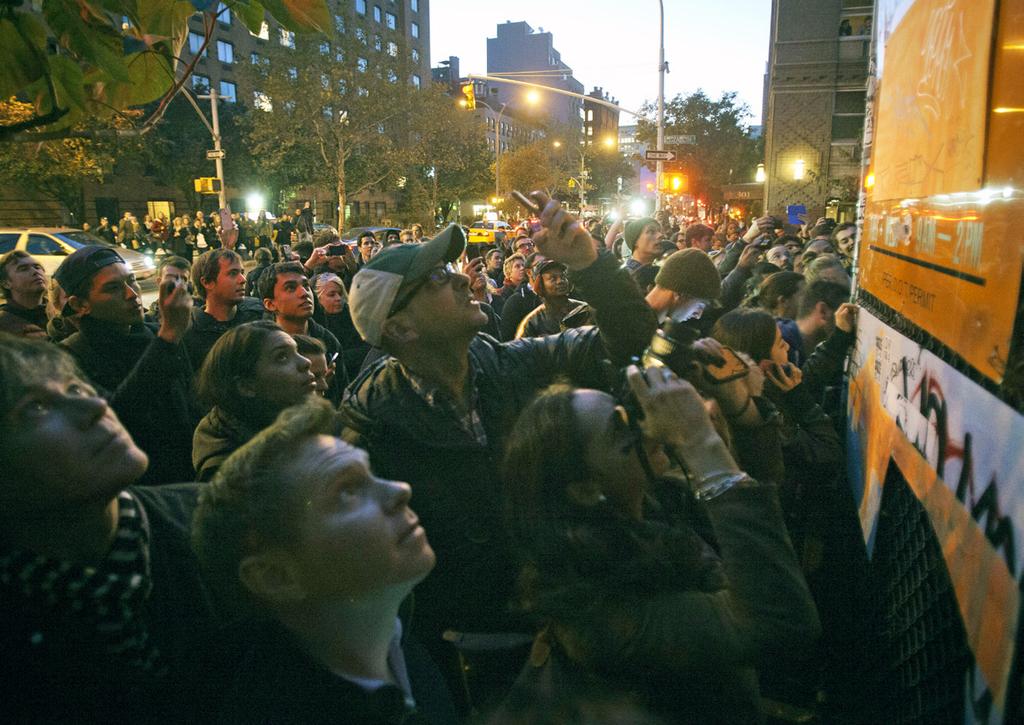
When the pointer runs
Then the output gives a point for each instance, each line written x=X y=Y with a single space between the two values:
x=50 y=245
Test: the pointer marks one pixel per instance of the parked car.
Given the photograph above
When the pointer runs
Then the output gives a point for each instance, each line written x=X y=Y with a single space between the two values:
x=488 y=232
x=50 y=245
x=381 y=233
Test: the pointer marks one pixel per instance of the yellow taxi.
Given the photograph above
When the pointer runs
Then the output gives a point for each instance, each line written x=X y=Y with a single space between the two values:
x=488 y=232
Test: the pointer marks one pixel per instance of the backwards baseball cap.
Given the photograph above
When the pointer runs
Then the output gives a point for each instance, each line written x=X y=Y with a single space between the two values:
x=380 y=282
x=77 y=271
x=690 y=272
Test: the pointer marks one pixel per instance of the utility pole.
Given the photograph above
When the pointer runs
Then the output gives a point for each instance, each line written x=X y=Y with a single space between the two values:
x=661 y=105
x=222 y=196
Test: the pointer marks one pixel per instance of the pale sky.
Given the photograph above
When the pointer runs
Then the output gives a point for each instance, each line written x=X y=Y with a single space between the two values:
x=719 y=46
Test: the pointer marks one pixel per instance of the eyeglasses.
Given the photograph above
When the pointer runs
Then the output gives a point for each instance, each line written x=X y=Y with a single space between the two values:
x=522 y=245
x=437 y=277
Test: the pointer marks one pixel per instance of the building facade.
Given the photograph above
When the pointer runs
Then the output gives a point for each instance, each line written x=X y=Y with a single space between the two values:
x=527 y=55
x=600 y=123
x=814 y=119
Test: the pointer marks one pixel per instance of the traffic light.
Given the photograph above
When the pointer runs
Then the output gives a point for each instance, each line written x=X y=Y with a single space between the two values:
x=675 y=182
x=207 y=185
x=470 y=94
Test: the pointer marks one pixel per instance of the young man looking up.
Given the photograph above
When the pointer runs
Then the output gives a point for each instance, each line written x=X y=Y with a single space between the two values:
x=142 y=367
x=287 y=295
x=220 y=283
x=551 y=283
x=324 y=573
x=102 y=611
x=23 y=287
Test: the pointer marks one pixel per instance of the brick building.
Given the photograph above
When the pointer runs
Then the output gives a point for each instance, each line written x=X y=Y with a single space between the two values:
x=814 y=115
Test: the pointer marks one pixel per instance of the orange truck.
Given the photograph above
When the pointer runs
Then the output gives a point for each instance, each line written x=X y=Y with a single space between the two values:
x=936 y=378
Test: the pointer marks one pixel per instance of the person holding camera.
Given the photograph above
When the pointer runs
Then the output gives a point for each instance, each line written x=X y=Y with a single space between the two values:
x=618 y=563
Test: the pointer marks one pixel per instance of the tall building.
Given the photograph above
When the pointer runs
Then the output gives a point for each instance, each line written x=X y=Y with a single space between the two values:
x=816 y=84
x=600 y=123
x=377 y=23
x=530 y=56
x=507 y=128
x=385 y=27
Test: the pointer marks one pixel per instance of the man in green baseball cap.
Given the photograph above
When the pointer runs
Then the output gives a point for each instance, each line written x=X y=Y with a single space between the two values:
x=436 y=409
x=389 y=281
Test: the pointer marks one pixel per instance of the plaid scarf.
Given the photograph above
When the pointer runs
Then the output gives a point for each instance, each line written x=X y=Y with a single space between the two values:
x=107 y=599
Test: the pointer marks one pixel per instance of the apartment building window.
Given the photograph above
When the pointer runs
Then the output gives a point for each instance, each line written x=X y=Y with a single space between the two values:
x=376 y=13
x=340 y=56
x=328 y=113
x=361 y=7
x=255 y=58
x=195 y=42
x=378 y=42
x=392 y=76
x=392 y=21
x=325 y=81
x=361 y=35
x=261 y=101
x=264 y=33
x=287 y=39
x=339 y=23
x=228 y=91
x=293 y=74
x=225 y=52
x=392 y=49
x=223 y=14
x=415 y=56
x=848 y=116
x=415 y=81
x=361 y=64
x=414 y=30
x=200 y=84
x=590 y=114
x=325 y=48
x=414 y=5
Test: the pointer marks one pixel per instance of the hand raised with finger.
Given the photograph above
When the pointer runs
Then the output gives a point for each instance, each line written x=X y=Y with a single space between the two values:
x=562 y=237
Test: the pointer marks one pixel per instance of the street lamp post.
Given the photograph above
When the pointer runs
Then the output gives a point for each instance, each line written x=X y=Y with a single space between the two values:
x=661 y=103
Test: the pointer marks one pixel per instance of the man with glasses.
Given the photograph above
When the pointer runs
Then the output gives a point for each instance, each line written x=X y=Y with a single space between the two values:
x=436 y=409
x=523 y=245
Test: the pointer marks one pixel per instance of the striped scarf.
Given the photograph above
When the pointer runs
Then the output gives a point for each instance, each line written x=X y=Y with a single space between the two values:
x=108 y=599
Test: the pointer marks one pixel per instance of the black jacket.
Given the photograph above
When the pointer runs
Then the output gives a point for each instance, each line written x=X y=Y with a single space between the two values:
x=148 y=383
x=206 y=330
x=217 y=436
x=456 y=490
x=276 y=681
x=516 y=306
x=51 y=669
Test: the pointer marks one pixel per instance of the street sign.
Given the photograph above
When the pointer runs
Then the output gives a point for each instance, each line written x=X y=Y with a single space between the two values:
x=215 y=154
x=682 y=140
x=660 y=155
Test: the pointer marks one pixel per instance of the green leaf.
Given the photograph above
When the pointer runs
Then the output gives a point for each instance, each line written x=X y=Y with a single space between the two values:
x=20 y=65
x=252 y=14
x=149 y=79
x=300 y=15
x=67 y=82
x=163 y=17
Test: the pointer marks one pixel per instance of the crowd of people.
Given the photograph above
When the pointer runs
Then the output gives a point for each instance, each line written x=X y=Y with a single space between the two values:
x=593 y=468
